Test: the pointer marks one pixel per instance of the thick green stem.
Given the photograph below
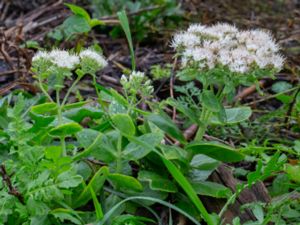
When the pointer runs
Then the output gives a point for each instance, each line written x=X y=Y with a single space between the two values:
x=205 y=115
x=201 y=129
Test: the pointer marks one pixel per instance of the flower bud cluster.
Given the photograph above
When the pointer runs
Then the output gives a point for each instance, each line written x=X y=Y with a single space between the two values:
x=208 y=47
x=137 y=83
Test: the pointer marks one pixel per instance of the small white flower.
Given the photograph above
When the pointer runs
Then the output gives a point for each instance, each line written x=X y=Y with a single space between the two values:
x=136 y=75
x=278 y=61
x=203 y=56
x=185 y=40
x=64 y=59
x=224 y=28
x=124 y=79
x=99 y=59
x=41 y=55
x=196 y=28
x=241 y=60
x=224 y=57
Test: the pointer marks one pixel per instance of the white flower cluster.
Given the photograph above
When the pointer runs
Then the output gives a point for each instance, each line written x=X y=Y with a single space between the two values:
x=137 y=82
x=92 y=55
x=224 y=45
x=64 y=59
x=135 y=76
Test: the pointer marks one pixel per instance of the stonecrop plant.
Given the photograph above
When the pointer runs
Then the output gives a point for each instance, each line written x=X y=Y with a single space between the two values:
x=99 y=162
x=223 y=57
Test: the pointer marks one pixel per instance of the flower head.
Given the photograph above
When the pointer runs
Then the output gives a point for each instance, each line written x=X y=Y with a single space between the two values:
x=41 y=55
x=223 y=44
x=64 y=59
x=137 y=83
x=95 y=56
x=185 y=40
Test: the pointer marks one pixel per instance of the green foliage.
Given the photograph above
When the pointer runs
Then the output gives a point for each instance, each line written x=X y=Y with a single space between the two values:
x=215 y=151
x=78 y=23
x=149 y=16
x=103 y=161
x=158 y=72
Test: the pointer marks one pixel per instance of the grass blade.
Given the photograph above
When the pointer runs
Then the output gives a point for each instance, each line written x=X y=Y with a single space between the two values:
x=98 y=209
x=125 y=25
x=187 y=187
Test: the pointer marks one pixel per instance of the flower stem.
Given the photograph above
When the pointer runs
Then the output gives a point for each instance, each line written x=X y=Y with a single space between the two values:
x=98 y=93
x=205 y=114
x=70 y=90
x=59 y=115
x=44 y=91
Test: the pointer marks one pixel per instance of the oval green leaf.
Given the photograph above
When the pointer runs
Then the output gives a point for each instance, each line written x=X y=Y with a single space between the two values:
x=43 y=114
x=124 y=182
x=157 y=182
x=216 y=151
x=124 y=123
x=45 y=108
x=233 y=116
x=210 y=101
x=167 y=125
x=65 y=129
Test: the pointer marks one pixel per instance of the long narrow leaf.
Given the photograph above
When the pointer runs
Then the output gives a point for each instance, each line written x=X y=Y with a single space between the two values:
x=187 y=187
x=125 y=25
x=95 y=183
x=97 y=205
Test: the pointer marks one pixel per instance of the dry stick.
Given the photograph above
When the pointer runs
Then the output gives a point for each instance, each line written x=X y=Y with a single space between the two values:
x=271 y=96
x=28 y=18
x=5 y=10
x=110 y=79
x=8 y=72
x=33 y=25
x=249 y=90
x=6 y=56
x=11 y=189
x=15 y=84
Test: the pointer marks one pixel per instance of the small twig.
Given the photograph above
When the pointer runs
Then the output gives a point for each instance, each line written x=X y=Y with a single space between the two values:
x=9 y=72
x=5 y=10
x=271 y=96
x=15 y=84
x=110 y=79
x=249 y=90
x=11 y=189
